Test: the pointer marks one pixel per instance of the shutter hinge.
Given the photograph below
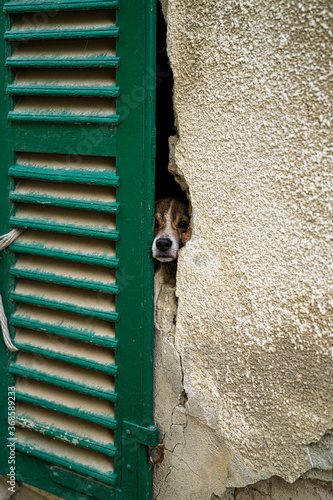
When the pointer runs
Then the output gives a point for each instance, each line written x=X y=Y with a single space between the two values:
x=143 y=435
x=147 y=436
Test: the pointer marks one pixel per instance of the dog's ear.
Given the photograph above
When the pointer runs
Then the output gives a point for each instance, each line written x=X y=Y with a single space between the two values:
x=189 y=208
x=186 y=236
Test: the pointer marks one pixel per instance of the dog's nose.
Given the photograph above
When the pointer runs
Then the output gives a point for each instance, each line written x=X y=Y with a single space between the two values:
x=163 y=244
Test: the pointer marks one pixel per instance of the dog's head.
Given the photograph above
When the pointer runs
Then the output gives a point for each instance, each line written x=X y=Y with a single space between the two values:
x=171 y=228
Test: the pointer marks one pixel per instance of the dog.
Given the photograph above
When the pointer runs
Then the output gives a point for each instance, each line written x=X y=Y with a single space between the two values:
x=172 y=223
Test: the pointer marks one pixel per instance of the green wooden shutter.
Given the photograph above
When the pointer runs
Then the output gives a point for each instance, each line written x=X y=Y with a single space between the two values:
x=77 y=149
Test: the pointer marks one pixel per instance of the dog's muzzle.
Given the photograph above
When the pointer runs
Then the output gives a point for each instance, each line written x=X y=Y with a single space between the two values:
x=165 y=249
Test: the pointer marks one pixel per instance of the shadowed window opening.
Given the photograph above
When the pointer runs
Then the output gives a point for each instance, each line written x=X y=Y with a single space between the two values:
x=165 y=184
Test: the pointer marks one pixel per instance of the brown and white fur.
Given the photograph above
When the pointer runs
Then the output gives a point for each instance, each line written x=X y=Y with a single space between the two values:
x=171 y=229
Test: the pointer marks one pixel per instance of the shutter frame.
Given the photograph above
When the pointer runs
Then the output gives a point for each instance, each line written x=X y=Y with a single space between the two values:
x=132 y=144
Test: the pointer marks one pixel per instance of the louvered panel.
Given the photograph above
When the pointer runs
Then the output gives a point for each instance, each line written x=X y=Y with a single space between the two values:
x=37 y=83
x=52 y=351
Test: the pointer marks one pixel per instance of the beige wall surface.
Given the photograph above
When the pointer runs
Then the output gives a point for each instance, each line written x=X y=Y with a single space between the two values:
x=252 y=346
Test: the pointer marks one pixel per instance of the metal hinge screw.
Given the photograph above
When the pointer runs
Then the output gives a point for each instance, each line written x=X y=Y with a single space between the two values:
x=156 y=454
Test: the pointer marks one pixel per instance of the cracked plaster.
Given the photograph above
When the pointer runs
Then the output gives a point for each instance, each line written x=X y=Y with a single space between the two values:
x=252 y=347
x=192 y=450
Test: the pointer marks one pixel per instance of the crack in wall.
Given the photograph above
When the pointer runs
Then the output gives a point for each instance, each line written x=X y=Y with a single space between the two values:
x=184 y=436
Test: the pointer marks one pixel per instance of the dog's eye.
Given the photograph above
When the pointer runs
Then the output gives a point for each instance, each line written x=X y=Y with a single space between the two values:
x=183 y=224
x=156 y=224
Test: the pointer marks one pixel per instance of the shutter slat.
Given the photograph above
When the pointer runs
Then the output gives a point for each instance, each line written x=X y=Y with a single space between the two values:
x=49 y=34
x=74 y=381
x=63 y=435
x=78 y=53
x=100 y=199
x=24 y=222
x=65 y=455
x=64 y=401
x=69 y=117
x=92 y=275
x=71 y=351
x=64 y=25
x=63 y=306
x=16 y=89
x=59 y=220
x=89 y=416
x=35 y=6
x=66 y=428
x=64 y=280
x=71 y=274
x=22 y=371
x=45 y=250
x=80 y=176
x=75 y=360
x=78 y=249
x=63 y=62
x=66 y=325
x=61 y=202
x=67 y=299
x=74 y=110
x=65 y=82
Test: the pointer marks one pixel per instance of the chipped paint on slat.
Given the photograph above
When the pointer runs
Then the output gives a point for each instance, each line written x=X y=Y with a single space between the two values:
x=102 y=178
x=63 y=280
x=63 y=325
x=63 y=306
x=67 y=455
x=56 y=90
x=62 y=401
x=66 y=383
x=26 y=34
x=43 y=250
x=96 y=206
x=63 y=62
x=65 y=427
x=65 y=117
x=35 y=6
x=110 y=369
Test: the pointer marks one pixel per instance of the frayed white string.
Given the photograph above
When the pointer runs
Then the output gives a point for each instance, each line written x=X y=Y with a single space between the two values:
x=6 y=240
x=4 y=328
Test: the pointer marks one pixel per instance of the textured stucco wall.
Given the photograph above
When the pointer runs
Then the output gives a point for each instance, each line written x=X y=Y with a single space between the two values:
x=252 y=340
